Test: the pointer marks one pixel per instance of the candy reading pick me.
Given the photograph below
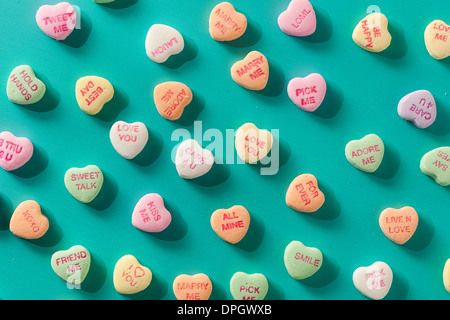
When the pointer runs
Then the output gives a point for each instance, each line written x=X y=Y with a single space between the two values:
x=171 y=98
x=28 y=222
x=302 y=261
x=252 y=144
x=304 y=195
x=192 y=287
x=373 y=281
x=84 y=184
x=128 y=139
x=72 y=265
x=14 y=151
x=436 y=163
x=92 y=93
x=307 y=93
x=299 y=19
x=192 y=161
x=419 y=107
x=162 y=42
x=231 y=224
x=365 y=154
x=371 y=33
x=437 y=39
x=150 y=214
x=245 y=286
x=24 y=87
x=57 y=21
x=130 y=276
x=225 y=23
x=399 y=225
x=252 y=72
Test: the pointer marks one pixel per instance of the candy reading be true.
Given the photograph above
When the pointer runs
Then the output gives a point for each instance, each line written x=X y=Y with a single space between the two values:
x=252 y=144
x=14 y=151
x=399 y=225
x=419 y=107
x=128 y=139
x=231 y=224
x=299 y=19
x=171 y=98
x=192 y=287
x=252 y=72
x=245 y=286
x=372 y=34
x=162 y=42
x=92 y=93
x=24 y=87
x=84 y=184
x=57 y=21
x=307 y=93
x=304 y=195
x=192 y=161
x=373 y=281
x=150 y=214
x=28 y=222
x=225 y=23
x=446 y=275
x=365 y=154
x=130 y=276
x=436 y=163
x=302 y=261
x=437 y=39
x=72 y=265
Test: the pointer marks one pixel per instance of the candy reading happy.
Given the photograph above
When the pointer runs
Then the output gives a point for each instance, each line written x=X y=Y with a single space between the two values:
x=301 y=261
x=399 y=225
x=252 y=144
x=436 y=163
x=373 y=281
x=299 y=19
x=307 y=93
x=446 y=275
x=92 y=93
x=225 y=23
x=28 y=222
x=150 y=214
x=128 y=139
x=252 y=72
x=72 y=265
x=437 y=39
x=372 y=34
x=195 y=287
x=24 y=87
x=418 y=107
x=192 y=161
x=84 y=184
x=245 y=286
x=57 y=21
x=14 y=151
x=171 y=98
x=130 y=276
x=231 y=224
x=304 y=195
x=365 y=154
x=162 y=42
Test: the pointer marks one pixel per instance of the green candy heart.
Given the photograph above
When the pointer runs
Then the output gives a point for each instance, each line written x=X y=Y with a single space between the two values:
x=301 y=261
x=436 y=163
x=245 y=286
x=365 y=154
x=84 y=184
x=72 y=265
x=24 y=87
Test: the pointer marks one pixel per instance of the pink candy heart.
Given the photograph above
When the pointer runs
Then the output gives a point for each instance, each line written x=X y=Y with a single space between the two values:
x=307 y=93
x=57 y=21
x=299 y=19
x=14 y=151
x=150 y=214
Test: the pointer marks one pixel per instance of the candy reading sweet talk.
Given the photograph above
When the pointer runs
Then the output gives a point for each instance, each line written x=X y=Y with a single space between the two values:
x=72 y=265
x=365 y=154
x=245 y=286
x=299 y=19
x=252 y=72
x=192 y=161
x=150 y=214
x=307 y=93
x=304 y=195
x=171 y=98
x=14 y=151
x=24 y=87
x=84 y=184
x=399 y=225
x=162 y=42
x=437 y=39
x=57 y=21
x=192 y=287
x=252 y=144
x=92 y=93
x=436 y=163
x=28 y=222
x=372 y=34
x=373 y=281
x=130 y=276
x=225 y=23
x=302 y=261
x=231 y=224
x=419 y=107
x=446 y=275
x=128 y=139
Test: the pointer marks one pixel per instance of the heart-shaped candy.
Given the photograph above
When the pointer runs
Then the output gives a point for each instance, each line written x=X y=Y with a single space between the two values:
x=162 y=42
x=171 y=98
x=72 y=265
x=130 y=276
x=304 y=195
x=252 y=144
x=373 y=281
x=192 y=161
x=128 y=139
x=299 y=19
x=252 y=72
x=92 y=93
x=14 y=151
x=24 y=87
x=28 y=222
x=231 y=224
x=418 y=107
x=436 y=163
x=446 y=275
x=192 y=287
x=245 y=286
x=150 y=214
x=437 y=39
x=399 y=225
x=225 y=23
x=307 y=93
x=57 y=21
x=302 y=261
x=84 y=184
x=365 y=154
x=372 y=33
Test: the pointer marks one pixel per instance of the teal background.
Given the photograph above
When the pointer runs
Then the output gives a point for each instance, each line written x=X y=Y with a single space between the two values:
x=363 y=91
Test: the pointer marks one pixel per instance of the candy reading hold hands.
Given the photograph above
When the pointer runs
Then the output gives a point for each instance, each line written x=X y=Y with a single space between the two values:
x=162 y=42
x=192 y=161
x=399 y=225
x=301 y=261
x=418 y=107
x=14 y=151
x=437 y=39
x=171 y=98
x=307 y=93
x=92 y=93
x=231 y=224
x=195 y=287
x=72 y=265
x=130 y=276
x=24 y=87
x=84 y=184
x=225 y=23
x=28 y=222
x=299 y=19
x=252 y=144
x=150 y=214
x=245 y=286
x=373 y=281
x=365 y=154
x=57 y=21
x=128 y=139
x=436 y=163
x=304 y=195
x=372 y=34
x=252 y=72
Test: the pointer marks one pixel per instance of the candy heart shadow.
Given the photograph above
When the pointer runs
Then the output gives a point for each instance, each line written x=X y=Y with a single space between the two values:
x=78 y=37
x=6 y=210
x=440 y=126
x=327 y=273
x=250 y=37
x=398 y=47
x=119 y=4
x=218 y=292
x=177 y=228
x=189 y=52
x=218 y=174
x=112 y=108
x=107 y=194
x=37 y=163
x=278 y=155
x=255 y=233
x=49 y=101
x=390 y=164
x=54 y=233
x=275 y=83
x=192 y=110
x=332 y=102
x=151 y=151
x=156 y=290
x=96 y=276
x=399 y=288
x=324 y=29
x=422 y=236
x=275 y=291
x=331 y=208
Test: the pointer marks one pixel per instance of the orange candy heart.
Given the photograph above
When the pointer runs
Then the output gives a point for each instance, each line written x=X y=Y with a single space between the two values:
x=171 y=98
x=195 y=287
x=304 y=195
x=399 y=225
x=252 y=72
x=28 y=222
x=231 y=224
x=225 y=23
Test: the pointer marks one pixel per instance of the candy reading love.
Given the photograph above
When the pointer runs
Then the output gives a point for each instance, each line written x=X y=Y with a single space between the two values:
x=225 y=23
x=57 y=21
x=418 y=107
x=24 y=87
x=301 y=261
x=399 y=225
x=128 y=139
x=92 y=93
x=231 y=224
x=252 y=144
x=436 y=163
x=72 y=265
x=150 y=214
x=307 y=93
x=304 y=195
x=252 y=72
x=372 y=34
x=365 y=154
x=373 y=281
x=171 y=98
x=245 y=286
x=192 y=161
x=162 y=42
x=130 y=276
x=28 y=222
x=195 y=287
x=14 y=151
x=446 y=275
x=437 y=39
x=84 y=184
x=299 y=19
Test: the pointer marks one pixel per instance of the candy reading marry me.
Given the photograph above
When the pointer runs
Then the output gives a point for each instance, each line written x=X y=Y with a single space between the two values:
x=307 y=93
x=171 y=98
x=192 y=287
x=225 y=23
x=128 y=139
x=57 y=21
x=231 y=224
x=399 y=225
x=162 y=42
x=373 y=281
x=28 y=222
x=302 y=261
x=436 y=163
x=252 y=144
x=252 y=72
x=372 y=34
x=92 y=93
x=24 y=87
x=304 y=195
x=150 y=214
x=14 y=151
x=84 y=184
x=419 y=107
x=365 y=154
x=245 y=286
x=192 y=161
x=299 y=19
x=72 y=265
x=130 y=276
x=437 y=39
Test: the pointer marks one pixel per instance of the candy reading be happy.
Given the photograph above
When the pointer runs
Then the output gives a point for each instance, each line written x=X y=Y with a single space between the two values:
x=130 y=276
x=302 y=261
x=372 y=34
x=92 y=93
x=150 y=214
x=192 y=287
x=171 y=98
x=252 y=72
x=231 y=224
x=399 y=225
x=437 y=39
x=419 y=107
x=192 y=161
x=373 y=281
x=57 y=21
x=162 y=42
x=72 y=265
x=307 y=93
x=14 y=151
x=24 y=87
x=225 y=23
x=365 y=154
x=304 y=195
x=252 y=144
x=299 y=19
x=245 y=286
x=436 y=163
x=28 y=222
x=128 y=139
x=84 y=184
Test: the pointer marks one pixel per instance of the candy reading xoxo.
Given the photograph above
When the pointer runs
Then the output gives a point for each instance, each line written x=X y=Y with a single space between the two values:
x=299 y=19
x=84 y=184
x=252 y=144
x=72 y=265
x=14 y=151
x=150 y=214
x=419 y=107
x=24 y=87
x=365 y=154
x=57 y=21
x=437 y=39
x=128 y=139
x=252 y=72
x=307 y=93
x=28 y=222
x=231 y=224
x=130 y=276
x=372 y=34
x=225 y=23
x=92 y=93
x=399 y=225
x=171 y=98
x=436 y=163
x=373 y=281
x=192 y=161
x=162 y=42
x=245 y=286
x=304 y=195
x=301 y=261
x=192 y=287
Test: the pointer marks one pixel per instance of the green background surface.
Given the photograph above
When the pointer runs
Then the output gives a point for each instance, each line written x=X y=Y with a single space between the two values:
x=363 y=92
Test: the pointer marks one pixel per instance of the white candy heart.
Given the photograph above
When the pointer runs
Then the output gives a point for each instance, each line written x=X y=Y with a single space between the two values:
x=162 y=42
x=192 y=160
x=128 y=138
x=373 y=281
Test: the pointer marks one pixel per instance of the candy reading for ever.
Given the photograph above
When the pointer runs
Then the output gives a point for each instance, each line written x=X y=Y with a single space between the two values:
x=92 y=93
x=365 y=154
x=252 y=72
x=304 y=195
x=24 y=87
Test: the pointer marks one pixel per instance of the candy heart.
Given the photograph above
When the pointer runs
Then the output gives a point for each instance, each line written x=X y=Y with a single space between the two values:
x=14 y=151
x=307 y=93
x=446 y=275
x=150 y=214
x=299 y=19
x=372 y=34
x=192 y=287
x=162 y=42
x=399 y=225
x=418 y=107
x=28 y=222
x=57 y=21
x=92 y=93
x=437 y=35
x=72 y=265
x=252 y=72
x=436 y=163
x=128 y=139
x=104 y=1
x=24 y=87
x=130 y=276
x=365 y=154
x=373 y=281
x=245 y=286
x=301 y=261
x=304 y=195
x=84 y=184
x=231 y=224
x=252 y=144
x=225 y=23
x=192 y=161
x=171 y=98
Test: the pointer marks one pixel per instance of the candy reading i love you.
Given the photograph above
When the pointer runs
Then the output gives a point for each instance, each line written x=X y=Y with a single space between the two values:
x=130 y=276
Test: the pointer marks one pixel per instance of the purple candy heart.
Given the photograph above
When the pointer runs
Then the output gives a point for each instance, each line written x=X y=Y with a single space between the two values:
x=418 y=107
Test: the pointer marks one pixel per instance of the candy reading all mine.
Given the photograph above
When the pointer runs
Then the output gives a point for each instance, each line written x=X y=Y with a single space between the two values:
x=252 y=144
x=365 y=154
x=195 y=287
x=24 y=87
x=150 y=214
x=245 y=286
x=418 y=107
x=299 y=19
x=225 y=23
x=301 y=261
x=372 y=33
x=57 y=21
x=231 y=224
x=28 y=222
x=307 y=93
x=162 y=42
x=171 y=98
x=84 y=184
x=399 y=225
x=446 y=275
x=92 y=93
x=437 y=39
x=14 y=151
x=373 y=281
x=130 y=276
x=252 y=72
x=192 y=161
x=304 y=195
x=436 y=163
x=128 y=139
x=72 y=265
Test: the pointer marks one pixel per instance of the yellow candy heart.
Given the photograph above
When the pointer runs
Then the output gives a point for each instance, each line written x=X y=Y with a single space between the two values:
x=252 y=144
x=130 y=276
x=92 y=93
x=437 y=39
x=372 y=34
